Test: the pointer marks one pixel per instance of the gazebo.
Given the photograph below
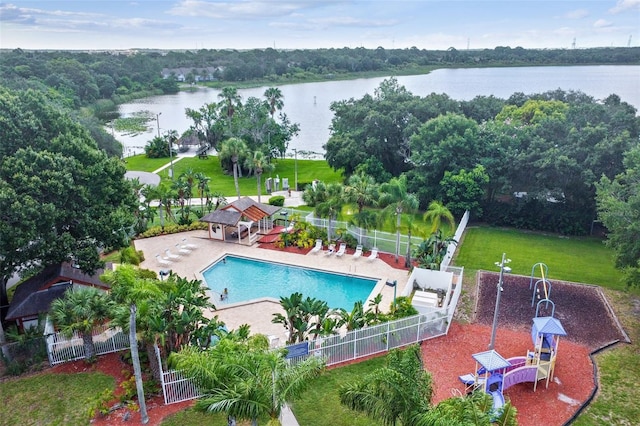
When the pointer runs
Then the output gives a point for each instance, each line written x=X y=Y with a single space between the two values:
x=241 y=221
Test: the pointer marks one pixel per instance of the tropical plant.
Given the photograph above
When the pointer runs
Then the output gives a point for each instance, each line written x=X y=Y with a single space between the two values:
x=475 y=409
x=395 y=392
x=355 y=319
x=436 y=213
x=245 y=379
x=430 y=252
x=328 y=201
x=234 y=149
x=303 y=317
x=274 y=97
x=80 y=311
x=129 y=289
x=396 y=200
x=260 y=164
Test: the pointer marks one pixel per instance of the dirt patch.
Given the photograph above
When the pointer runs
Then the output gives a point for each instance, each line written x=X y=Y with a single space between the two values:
x=582 y=309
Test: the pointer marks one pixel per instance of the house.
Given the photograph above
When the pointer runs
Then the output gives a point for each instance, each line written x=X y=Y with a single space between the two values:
x=237 y=220
x=34 y=296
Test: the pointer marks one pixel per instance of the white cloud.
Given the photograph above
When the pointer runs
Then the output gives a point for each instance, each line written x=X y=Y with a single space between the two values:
x=623 y=5
x=347 y=21
x=238 y=9
x=577 y=14
x=602 y=23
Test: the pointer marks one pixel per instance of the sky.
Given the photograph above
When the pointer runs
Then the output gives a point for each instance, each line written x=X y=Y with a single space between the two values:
x=312 y=24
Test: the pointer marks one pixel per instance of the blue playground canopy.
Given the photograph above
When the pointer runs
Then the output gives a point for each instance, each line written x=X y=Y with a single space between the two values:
x=546 y=326
x=491 y=360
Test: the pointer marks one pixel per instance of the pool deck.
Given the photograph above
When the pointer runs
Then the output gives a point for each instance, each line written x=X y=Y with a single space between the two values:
x=258 y=314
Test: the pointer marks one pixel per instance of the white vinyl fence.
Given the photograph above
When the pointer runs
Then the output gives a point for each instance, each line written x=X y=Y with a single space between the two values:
x=105 y=340
x=334 y=349
x=457 y=236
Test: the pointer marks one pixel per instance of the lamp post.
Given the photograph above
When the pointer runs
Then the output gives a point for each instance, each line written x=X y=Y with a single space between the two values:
x=158 y=122
x=295 y=167
x=503 y=269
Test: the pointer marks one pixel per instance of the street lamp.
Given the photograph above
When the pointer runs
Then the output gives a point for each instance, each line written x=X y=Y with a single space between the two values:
x=158 y=122
x=503 y=269
x=295 y=167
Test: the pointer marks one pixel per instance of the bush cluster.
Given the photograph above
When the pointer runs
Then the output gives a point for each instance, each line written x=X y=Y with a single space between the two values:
x=276 y=200
x=172 y=229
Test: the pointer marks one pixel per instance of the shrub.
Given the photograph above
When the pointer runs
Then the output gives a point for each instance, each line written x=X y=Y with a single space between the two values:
x=173 y=229
x=277 y=200
x=131 y=256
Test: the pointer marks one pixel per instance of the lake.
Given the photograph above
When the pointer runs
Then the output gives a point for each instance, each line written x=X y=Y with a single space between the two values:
x=308 y=103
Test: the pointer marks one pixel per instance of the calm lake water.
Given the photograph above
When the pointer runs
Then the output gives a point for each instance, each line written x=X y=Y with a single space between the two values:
x=308 y=103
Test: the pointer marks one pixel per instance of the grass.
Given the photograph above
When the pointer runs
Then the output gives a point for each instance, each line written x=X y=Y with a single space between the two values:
x=619 y=370
x=222 y=182
x=578 y=259
x=320 y=404
x=51 y=399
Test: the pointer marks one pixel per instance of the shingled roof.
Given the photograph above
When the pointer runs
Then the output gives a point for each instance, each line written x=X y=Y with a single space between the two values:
x=35 y=294
x=231 y=214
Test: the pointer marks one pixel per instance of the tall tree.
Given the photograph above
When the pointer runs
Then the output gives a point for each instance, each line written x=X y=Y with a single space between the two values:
x=60 y=197
x=260 y=164
x=396 y=200
x=619 y=210
x=234 y=149
x=81 y=310
x=129 y=288
x=231 y=100
x=436 y=213
x=330 y=201
x=274 y=99
x=245 y=379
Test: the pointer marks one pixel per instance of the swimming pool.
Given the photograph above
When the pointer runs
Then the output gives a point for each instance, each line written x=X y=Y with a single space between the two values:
x=248 y=279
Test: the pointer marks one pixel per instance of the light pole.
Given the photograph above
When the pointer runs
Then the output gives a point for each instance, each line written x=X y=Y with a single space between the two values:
x=393 y=284
x=503 y=269
x=295 y=167
x=158 y=122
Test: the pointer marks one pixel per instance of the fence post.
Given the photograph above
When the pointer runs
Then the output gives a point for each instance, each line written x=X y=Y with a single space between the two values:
x=355 y=344
x=164 y=388
x=418 y=329
x=388 y=334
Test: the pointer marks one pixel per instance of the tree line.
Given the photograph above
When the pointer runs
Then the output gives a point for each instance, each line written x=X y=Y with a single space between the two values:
x=83 y=78
x=530 y=161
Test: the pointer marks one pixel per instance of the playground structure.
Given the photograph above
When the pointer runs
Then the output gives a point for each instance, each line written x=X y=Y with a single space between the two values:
x=494 y=374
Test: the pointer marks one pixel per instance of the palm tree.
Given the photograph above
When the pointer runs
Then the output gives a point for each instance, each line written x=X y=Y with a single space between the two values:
x=474 y=409
x=361 y=190
x=332 y=204
x=80 y=311
x=436 y=213
x=245 y=379
x=128 y=288
x=203 y=187
x=260 y=164
x=230 y=101
x=234 y=148
x=395 y=392
x=397 y=200
x=274 y=99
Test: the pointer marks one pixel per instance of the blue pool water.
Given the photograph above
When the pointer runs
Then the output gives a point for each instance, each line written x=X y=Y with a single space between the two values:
x=248 y=279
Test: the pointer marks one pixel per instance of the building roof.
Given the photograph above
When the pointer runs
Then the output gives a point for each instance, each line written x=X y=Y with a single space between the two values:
x=38 y=302
x=231 y=214
x=49 y=278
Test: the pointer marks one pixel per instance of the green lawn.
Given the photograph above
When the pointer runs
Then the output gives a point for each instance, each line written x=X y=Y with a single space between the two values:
x=320 y=405
x=578 y=259
x=50 y=399
x=308 y=170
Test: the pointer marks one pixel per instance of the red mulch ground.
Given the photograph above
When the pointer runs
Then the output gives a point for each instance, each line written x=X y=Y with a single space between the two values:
x=449 y=356
x=583 y=311
x=112 y=365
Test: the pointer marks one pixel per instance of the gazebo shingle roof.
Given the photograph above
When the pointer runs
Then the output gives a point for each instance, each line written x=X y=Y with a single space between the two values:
x=231 y=214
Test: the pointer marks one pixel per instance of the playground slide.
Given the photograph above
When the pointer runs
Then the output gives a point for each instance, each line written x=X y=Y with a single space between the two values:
x=520 y=375
x=498 y=399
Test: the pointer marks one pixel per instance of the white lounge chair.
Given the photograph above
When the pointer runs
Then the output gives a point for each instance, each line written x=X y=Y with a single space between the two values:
x=171 y=256
x=358 y=252
x=162 y=261
x=317 y=247
x=331 y=249
x=183 y=250
x=187 y=245
x=341 y=250
x=372 y=255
